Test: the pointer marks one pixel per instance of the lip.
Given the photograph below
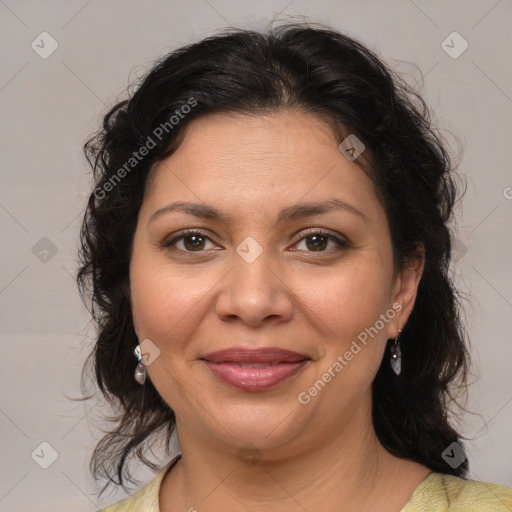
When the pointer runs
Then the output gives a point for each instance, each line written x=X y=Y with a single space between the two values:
x=255 y=369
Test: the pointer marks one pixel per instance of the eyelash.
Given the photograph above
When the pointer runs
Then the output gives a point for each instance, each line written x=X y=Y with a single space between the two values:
x=342 y=244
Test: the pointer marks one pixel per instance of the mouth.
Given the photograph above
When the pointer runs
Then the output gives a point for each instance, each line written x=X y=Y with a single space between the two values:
x=255 y=369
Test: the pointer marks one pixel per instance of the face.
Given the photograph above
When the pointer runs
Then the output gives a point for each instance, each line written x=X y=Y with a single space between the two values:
x=287 y=248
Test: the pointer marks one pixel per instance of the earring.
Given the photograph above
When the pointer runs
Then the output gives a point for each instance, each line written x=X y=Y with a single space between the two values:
x=396 y=355
x=140 y=369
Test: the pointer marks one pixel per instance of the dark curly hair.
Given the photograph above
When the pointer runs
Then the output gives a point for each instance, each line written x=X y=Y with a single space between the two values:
x=314 y=69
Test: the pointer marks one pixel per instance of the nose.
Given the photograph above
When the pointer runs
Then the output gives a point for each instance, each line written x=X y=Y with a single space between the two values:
x=253 y=293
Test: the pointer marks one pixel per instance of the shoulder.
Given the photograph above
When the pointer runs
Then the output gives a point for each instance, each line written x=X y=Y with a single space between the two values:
x=146 y=499
x=439 y=493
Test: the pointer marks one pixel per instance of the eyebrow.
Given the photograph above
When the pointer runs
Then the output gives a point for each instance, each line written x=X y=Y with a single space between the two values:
x=288 y=214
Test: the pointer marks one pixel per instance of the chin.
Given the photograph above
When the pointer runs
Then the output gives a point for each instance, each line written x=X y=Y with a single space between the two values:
x=264 y=427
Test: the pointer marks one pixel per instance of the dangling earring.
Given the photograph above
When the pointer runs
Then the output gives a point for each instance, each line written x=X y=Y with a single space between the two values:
x=396 y=355
x=140 y=369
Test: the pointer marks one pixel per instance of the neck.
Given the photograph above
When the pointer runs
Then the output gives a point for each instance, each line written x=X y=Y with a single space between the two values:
x=350 y=467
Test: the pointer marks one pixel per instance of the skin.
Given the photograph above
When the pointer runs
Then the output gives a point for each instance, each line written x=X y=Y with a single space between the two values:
x=191 y=302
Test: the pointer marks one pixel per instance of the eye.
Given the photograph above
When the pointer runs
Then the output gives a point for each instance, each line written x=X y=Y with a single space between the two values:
x=318 y=241
x=315 y=240
x=189 y=241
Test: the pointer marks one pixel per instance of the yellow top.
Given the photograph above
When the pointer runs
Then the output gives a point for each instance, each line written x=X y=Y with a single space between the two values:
x=436 y=493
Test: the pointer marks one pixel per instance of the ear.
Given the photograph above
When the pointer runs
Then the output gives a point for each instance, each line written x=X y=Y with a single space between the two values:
x=405 y=289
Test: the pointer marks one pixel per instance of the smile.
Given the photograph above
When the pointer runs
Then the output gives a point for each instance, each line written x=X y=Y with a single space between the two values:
x=255 y=369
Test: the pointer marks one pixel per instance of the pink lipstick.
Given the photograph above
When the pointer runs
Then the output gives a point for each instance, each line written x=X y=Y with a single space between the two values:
x=255 y=369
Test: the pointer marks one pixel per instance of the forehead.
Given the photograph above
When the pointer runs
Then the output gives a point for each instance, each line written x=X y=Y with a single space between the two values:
x=257 y=160
x=284 y=131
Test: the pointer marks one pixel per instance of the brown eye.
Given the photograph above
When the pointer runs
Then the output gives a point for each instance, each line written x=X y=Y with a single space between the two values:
x=194 y=242
x=317 y=242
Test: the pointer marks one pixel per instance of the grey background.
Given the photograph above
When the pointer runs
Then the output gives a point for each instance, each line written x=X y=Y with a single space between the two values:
x=50 y=105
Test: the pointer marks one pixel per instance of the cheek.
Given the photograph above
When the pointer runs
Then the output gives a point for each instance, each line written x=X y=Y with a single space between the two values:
x=166 y=303
x=348 y=300
x=346 y=310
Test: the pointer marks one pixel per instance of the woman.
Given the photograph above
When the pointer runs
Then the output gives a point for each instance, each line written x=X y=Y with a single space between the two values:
x=267 y=247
